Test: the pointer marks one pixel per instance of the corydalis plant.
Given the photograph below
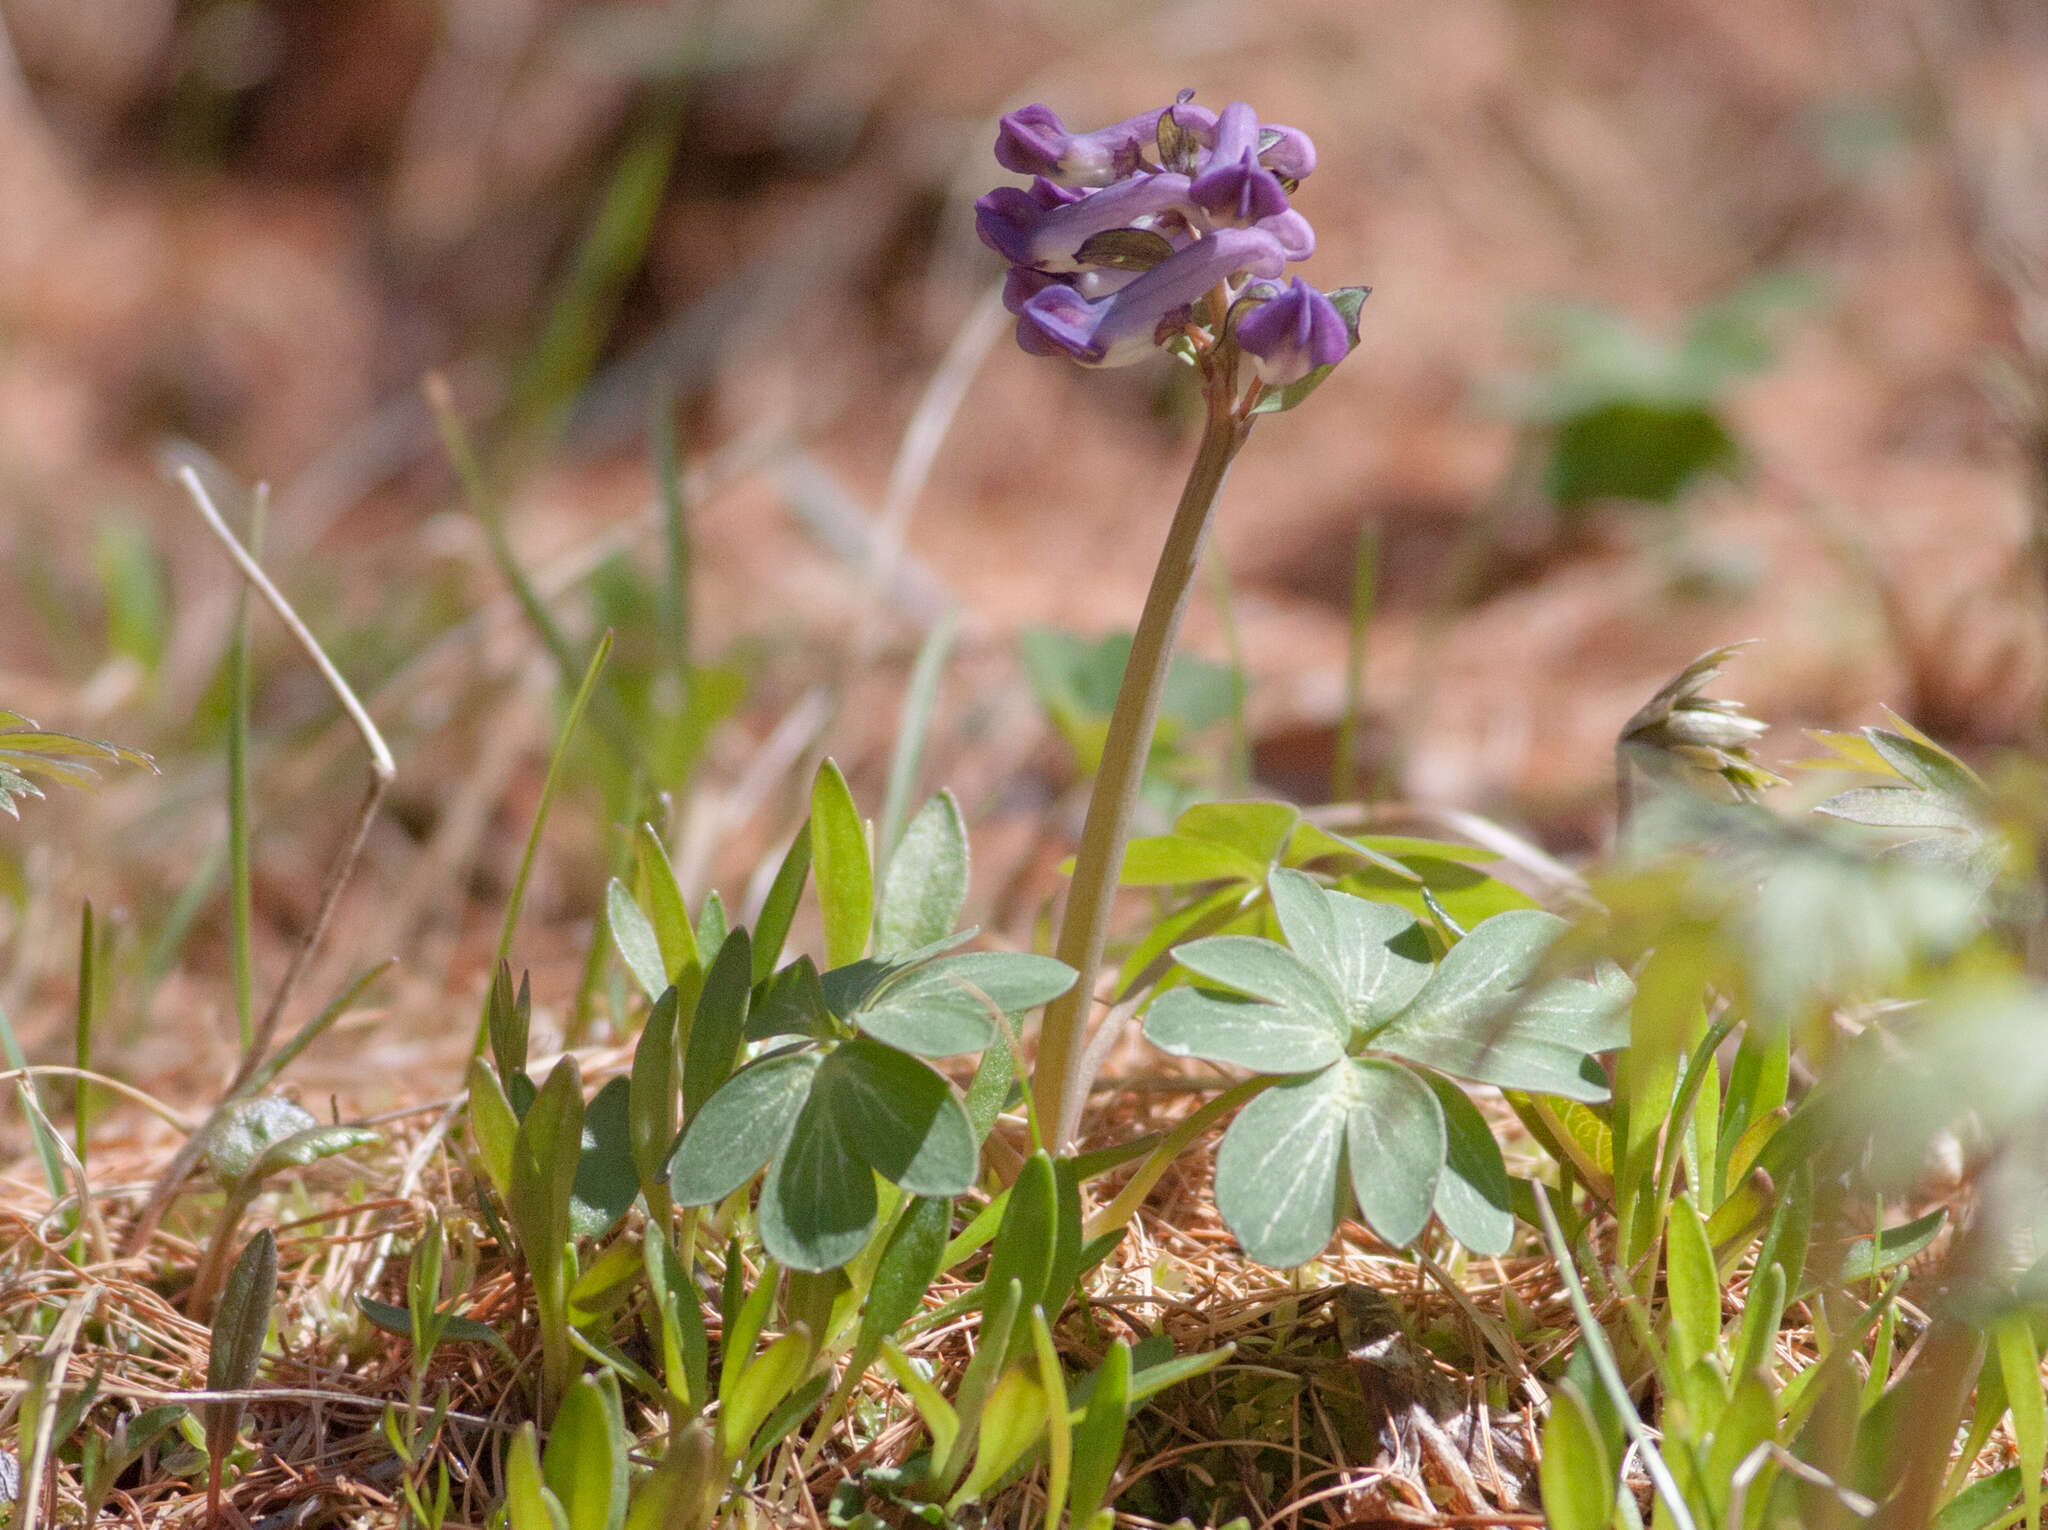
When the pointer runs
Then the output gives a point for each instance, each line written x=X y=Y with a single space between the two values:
x=1171 y=230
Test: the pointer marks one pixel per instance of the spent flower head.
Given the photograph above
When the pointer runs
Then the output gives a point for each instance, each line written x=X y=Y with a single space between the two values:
x=1174 y=227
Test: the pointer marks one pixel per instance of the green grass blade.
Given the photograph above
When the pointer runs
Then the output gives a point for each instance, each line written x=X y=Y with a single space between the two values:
x=540 y=818
x=46 y=1145
x=919 y=700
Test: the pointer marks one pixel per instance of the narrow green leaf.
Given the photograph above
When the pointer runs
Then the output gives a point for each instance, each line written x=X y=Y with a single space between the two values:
x=235 y=1347
x=720 y=1024
x=989 y=1090
x=1578 y=1484
x=1693 y=1285
x=584 y=1465
x=507 y=1018
x=309 y=1147
x=1011 y=1423
x=544 y=1160
x=528 y=1503
x=682 y=1492
x=926 y=885
x=1868 y=1258
x=493 y=1124
x=1099 y=1437
x=1027 y=1239
x=941 y=1421
x=453 y=1329
x=635 y=938
x=1982 y=1504
x=651 y=1099
x=607 y=1177
x=846 y=888
x=671 y=919
x=2019 y=1361
x=782 y=1422
x=741 y=1128
x=778 y=910
x=910 y=1262
x=713 y=927
x=678 y=1304
x=759 y=1387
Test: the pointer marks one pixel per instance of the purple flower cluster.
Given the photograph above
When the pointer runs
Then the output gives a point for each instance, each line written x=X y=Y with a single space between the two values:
x=1123 y=230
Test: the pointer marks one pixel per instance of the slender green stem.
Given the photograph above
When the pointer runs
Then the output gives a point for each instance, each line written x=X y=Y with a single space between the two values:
x=1058 y=1084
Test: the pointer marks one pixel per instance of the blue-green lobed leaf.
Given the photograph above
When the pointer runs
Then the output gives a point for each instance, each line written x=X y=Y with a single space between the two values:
x=741 y=1127
x=1279 y=1168
x=1395 y=1141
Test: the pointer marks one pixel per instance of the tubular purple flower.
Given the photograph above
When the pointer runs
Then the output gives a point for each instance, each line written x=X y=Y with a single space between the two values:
x=1033 y=141
x=1016 y=226
x=1123 y=328
x=1297 y=237
x=1291 y=153
x=1022 y=284
x=1233 y=184
x=1291 y=334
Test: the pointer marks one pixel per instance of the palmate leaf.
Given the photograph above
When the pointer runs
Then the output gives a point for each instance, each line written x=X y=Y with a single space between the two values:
x=1940 y=807
x=1469 y=1019
x=951 y=1005
x=1395 y=1142
x=817 y=1203
x=1239 y=1033
x=1279 y=1166
x=741 y=1127
x=900 y=1117
x=29 y=754
x=1375 y=953
x=1407 y=1142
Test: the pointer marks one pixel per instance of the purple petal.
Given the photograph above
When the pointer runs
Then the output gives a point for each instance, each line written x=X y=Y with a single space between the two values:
x=1023 y=284
x=1233 y=184
x=1294 y=232
x=1123 y=328
x=1023 y=232
x=1291 y=154
x=1033 y=141
x=1006 y=219
x=1030 y=140
x=1293 y=333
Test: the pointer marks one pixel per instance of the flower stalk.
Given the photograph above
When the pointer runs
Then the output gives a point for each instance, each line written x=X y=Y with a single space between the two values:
x=1059 y=1085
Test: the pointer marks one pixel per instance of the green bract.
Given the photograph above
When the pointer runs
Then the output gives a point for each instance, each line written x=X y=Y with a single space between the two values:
x=1357 y=1027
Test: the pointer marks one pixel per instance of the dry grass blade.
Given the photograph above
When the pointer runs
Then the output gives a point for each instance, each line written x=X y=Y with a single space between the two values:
x=382 y=771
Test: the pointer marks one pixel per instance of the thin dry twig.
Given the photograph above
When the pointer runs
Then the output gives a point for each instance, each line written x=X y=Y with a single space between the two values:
x=382 y=772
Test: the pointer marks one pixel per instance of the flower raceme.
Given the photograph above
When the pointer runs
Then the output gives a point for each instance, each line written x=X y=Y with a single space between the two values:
x=1128 y=235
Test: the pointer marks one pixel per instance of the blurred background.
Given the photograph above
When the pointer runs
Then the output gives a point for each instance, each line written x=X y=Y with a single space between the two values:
x=1691 y=322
